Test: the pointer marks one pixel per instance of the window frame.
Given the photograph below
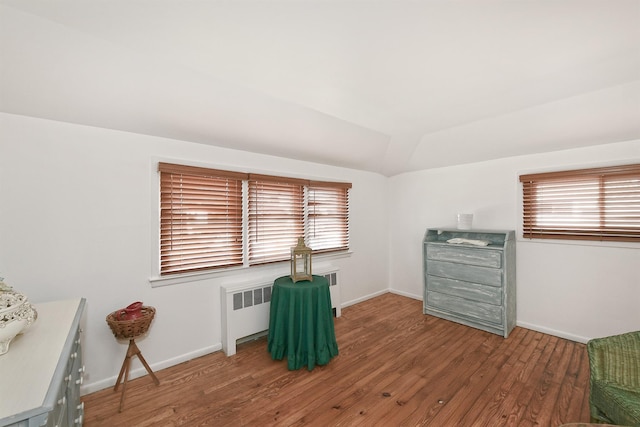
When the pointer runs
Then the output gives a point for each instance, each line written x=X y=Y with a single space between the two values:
x=161 y=279
x=210 y=200
x=601 y=204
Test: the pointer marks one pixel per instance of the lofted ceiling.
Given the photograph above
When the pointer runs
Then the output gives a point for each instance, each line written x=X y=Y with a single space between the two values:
x=386 y=86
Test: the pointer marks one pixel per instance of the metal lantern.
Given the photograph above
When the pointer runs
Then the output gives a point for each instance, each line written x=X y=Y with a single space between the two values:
x=301 y=262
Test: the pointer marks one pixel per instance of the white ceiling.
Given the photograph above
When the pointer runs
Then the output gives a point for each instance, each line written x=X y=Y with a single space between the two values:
x=386 y=86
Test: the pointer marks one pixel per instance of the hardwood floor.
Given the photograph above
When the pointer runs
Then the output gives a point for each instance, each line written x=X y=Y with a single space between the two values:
x=396 y=367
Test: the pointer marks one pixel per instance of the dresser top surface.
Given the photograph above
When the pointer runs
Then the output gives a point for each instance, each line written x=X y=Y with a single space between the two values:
x=494 y=238
x=29 y=366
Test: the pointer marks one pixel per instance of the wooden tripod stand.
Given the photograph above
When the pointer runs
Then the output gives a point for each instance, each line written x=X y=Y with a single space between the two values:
x=133 y=350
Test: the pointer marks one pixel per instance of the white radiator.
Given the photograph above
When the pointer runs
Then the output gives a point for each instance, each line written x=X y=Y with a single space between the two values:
x=245 y=309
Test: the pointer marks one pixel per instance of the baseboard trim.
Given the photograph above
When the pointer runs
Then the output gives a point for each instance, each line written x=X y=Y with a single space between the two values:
x=526 y=325
x=554 y=332
x=139 y=372
x=367 y=297
x=406 y=294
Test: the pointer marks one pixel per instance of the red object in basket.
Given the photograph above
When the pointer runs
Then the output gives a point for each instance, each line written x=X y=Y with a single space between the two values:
x=132 y=311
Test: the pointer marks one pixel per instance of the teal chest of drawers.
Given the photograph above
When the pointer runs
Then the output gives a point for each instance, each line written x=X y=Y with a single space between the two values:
x=470 y=277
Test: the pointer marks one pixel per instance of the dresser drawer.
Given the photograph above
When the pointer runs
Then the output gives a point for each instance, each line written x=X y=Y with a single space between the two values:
x=56 y=417
x=465 y=272
x=465 y=308
x=62 y=418
x=465 y=255
x=467 y=290
x=74 y=354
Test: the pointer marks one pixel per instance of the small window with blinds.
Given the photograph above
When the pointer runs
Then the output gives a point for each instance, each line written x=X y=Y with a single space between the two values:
x=328 y=216
x=276 y=217
x=588 y=204
x=200 y=218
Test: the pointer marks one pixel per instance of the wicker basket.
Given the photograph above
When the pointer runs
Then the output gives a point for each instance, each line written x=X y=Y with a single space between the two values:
x=131 y=328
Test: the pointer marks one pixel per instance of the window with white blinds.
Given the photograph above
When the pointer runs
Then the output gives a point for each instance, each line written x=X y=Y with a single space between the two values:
x=328 y=216
x=276 y=217
x=206 y=222
x=585 y=204
x=200 y=218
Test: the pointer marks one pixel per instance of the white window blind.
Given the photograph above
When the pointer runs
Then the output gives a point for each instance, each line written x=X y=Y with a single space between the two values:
x=586 y=204
x=200 y=218
x=276 y=217
x=328 y=216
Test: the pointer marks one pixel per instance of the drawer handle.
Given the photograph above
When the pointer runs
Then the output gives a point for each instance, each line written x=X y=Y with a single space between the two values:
x=74 y=355
x=80 y=407
x=81 y=370
x=62 y=401
x=78 y=420
x=80 y=380
x=67 y=378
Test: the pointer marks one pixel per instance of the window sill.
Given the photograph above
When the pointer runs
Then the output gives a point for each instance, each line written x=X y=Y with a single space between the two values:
x=271 y=270
x=569 y=242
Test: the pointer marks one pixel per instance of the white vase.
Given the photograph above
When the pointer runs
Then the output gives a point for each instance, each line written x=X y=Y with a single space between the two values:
x=16 y=315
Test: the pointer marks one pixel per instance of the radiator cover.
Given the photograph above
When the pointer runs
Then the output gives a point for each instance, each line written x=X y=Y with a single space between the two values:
x=245 y=308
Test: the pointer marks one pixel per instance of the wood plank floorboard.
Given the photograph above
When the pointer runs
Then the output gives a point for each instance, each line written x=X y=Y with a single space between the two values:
x=396 y=367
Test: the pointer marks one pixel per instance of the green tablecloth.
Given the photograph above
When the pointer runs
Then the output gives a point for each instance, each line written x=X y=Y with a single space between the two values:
x=301 y=323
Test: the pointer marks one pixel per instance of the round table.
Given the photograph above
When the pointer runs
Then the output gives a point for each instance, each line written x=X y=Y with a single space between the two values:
x=301 y=323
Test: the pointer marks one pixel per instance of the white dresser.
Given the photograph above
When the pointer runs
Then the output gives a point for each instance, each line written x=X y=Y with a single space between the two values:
x=41 y=374
x=469 y=284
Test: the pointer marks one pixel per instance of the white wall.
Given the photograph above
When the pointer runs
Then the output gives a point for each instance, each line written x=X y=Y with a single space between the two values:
x=76 y=220
x=574 y=290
